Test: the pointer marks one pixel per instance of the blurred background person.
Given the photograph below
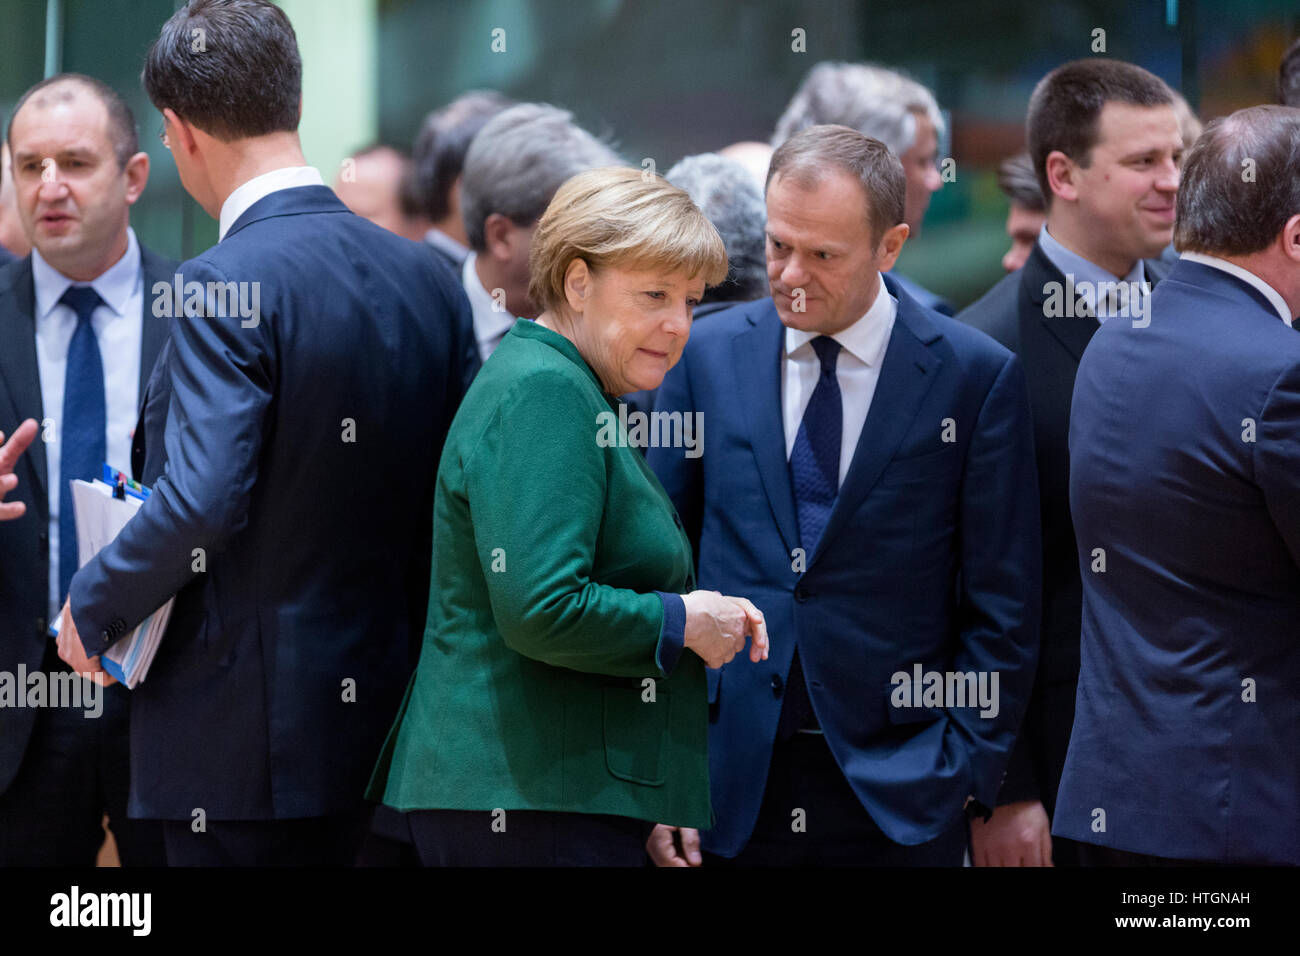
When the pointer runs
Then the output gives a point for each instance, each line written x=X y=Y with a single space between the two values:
x=885 y=105
x=1106 y=147
x=556 y=713
x=432 y=186
x=13 y=240
x=726 y=193
x=1288 y=76
x=514 y=166
x=78 y=341
x=1185 y=490
x=1028 y=212
x=369 y=183
x=753 y=155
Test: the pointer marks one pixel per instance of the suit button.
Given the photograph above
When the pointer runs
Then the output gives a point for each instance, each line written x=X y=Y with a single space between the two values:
x=801 y=594
x=42 y=627
x=777 y=685
x=45 y=537
x=106 y=635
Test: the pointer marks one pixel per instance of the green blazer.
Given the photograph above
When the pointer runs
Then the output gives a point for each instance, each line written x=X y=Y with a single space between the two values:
x=540 y=654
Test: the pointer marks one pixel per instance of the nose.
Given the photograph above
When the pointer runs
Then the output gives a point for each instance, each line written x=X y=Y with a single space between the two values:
x=1169 y=176
x=52 y=184
x=793 y=275
x=932 y=178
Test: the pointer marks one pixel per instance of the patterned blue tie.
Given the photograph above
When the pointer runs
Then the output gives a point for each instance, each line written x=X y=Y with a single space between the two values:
x=815 y=458
x=85 y=413
x=815 y=475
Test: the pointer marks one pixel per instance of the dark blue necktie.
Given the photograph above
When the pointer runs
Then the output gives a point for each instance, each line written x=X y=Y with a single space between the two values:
x=84 y=423
x=815 y=476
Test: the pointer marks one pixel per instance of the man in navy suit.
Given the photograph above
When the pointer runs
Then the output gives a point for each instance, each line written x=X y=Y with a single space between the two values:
x=312 y=378
x=78 y=337
x=1185 y=491
x=1106 y=148
x=868 y=478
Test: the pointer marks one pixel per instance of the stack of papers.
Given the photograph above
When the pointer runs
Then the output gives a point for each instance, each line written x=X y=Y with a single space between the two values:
x=100 y=516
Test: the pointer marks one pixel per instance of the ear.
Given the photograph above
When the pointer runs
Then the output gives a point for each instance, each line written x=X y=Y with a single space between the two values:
x=891 y=244
x=577 y=285
x=180 y=133
x=137 y=175
x=498 y=237
x=1062 y=176
x=1291 y=239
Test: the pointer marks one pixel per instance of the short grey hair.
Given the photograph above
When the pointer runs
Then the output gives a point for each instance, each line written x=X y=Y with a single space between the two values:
x=727 y=194
x=877 y=102
x=1222 y=212
x=517 y=162
x=809 y=153
x=1019 y=183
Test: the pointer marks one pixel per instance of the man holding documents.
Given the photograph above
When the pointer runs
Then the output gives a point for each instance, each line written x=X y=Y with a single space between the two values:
x=313 y=375
x=77 y=340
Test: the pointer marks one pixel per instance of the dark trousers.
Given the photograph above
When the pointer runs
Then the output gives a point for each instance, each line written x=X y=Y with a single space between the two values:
x=308 y=841
x=388 y=840
x=838 y=830
x=529 y=838
x=76 y=769
x=1092 y=855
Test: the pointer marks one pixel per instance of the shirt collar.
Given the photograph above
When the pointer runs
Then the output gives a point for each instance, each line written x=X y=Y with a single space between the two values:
x=487 y=320
x=115 y=285
x=1245 y=275
x=865 y=339
x=259 y=187
x=1084 y=270
x=440 y=240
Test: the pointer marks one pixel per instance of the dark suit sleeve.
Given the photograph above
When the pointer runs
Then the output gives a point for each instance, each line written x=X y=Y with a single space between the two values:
x=682 y=477
x=1001 y=574
x=1021 y=782
x=222 y=384
x=1277 y=457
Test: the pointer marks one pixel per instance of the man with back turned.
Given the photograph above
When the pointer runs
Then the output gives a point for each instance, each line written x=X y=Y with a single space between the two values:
x=296 y=574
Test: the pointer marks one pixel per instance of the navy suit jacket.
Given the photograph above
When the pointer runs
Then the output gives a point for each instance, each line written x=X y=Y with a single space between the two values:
x=6 y=257
x=1013 y=313
x=1185 y=480
x=24 y=542
x=294 y=502
x=930 y=557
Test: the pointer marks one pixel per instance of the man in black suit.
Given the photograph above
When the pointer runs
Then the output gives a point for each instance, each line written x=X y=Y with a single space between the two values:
x=1105 y=144
x=78 y=338
x=308 y=405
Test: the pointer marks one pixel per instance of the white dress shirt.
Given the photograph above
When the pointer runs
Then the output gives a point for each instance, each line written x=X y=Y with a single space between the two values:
x=1085 y=271
x=1245 y=275
x=118 y=324
x=490 y=325
x=259 y=187
x=857 y=370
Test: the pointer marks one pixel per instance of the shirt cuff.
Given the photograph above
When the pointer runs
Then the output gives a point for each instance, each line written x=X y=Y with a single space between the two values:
x=672 y=637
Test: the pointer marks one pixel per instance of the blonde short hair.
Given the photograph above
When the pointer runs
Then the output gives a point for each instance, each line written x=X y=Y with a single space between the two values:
x=617 y=216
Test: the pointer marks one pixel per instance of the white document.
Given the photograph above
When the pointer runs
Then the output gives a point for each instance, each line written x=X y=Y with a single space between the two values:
x=100 y=517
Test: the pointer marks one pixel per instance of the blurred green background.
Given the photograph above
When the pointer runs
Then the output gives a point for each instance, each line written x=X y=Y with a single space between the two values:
x=666 y=78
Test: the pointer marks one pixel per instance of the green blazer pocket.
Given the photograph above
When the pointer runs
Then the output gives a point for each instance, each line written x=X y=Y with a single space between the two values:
x=635 y=731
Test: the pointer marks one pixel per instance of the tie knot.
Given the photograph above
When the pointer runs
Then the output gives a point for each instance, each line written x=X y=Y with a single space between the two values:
x=83 y=300
x=828 y=351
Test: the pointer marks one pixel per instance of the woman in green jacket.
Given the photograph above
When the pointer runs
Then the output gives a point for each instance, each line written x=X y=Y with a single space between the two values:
x=559 y=708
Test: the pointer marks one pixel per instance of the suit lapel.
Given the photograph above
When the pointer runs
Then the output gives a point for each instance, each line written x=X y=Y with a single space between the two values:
x=19 y=371
x=908 y=370
x=1073 y=332
x=758 y=352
